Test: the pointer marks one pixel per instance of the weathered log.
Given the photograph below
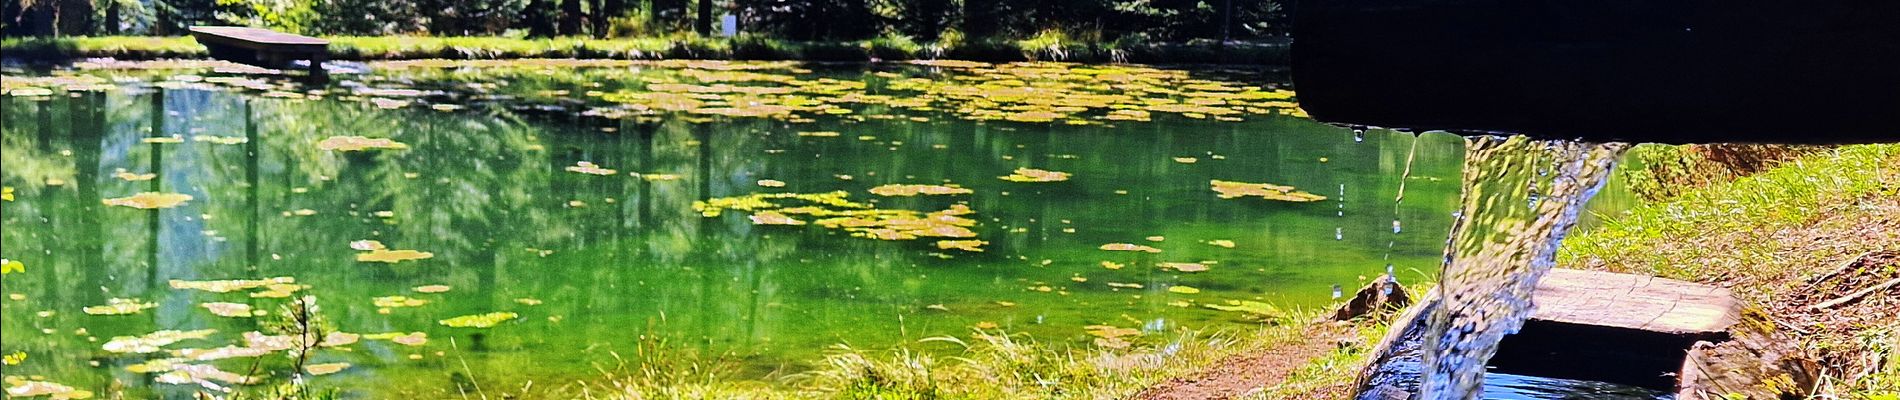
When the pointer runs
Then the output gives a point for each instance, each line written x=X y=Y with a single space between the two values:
x=1758 y=362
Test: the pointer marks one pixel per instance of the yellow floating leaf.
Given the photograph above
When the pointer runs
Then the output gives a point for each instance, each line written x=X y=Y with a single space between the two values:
x=227 y=286
x=164 y=139
x=1183 y=289
x=1112 y=265
x=367 y=245
x=432 y=289
x=1184 y=267
x=392 y=256
x=359 y=143
x=132 y=177
x=36 y=388
x=913 y=190
x=965 y=245
x=408 y=339
x=1186 y=160
x=985 y=325
x=232 y=310
x=398 y=301
x=150 y=200
x=1230 y=189
x=11 y=266
x=1036 y=175
x=528 y=301
x=151 y=342
x=1222 y=243
x=220 y=139
x=1129 y=247
x=326 y=369
x=590 y=169
x=14 y=359
x=1120 y=285
x=773 y=218
x=118 y=306
x=771 y=183
x=657 y=177
x=478 y=320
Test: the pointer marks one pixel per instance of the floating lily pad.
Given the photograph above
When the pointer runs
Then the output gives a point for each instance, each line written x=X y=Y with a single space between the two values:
x=1230 y=189
x=150 y=200
x=118 y=306
x=359 y=143
x=1036 y=175
x=479 y=320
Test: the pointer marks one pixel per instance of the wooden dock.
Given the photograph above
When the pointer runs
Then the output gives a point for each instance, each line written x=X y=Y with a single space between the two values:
x=262 y=47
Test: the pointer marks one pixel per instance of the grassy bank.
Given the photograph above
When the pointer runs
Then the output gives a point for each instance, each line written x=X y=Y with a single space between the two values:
x=1792 y=239
x=1041 y=48
x=1768 y=235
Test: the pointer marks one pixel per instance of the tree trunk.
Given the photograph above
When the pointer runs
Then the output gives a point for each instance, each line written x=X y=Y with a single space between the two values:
x=536 y=17
x=75 y=17
x=604 y=13
x=162 y=14
x=702 y=21
x=112 y=17
x=41 y=18
x=572 y=17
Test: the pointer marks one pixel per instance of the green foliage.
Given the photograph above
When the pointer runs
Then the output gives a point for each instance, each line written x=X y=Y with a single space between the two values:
x=283 y=15
x=1051 y=46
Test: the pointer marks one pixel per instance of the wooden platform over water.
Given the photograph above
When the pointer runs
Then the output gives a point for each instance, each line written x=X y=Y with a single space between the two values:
x=1635 y=302
x=262 y=47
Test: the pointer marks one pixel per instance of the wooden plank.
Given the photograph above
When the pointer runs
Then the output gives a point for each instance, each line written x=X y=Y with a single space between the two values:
x=258 y=36
x=1635 y=302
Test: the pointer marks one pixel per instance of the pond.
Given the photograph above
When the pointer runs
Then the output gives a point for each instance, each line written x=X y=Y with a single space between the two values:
x=544 y=222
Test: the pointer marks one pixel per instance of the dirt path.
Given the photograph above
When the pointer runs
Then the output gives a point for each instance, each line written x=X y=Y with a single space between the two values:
x=1250 y=373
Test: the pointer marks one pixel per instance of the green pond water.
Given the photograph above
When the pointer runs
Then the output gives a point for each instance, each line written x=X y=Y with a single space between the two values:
x=596 y=268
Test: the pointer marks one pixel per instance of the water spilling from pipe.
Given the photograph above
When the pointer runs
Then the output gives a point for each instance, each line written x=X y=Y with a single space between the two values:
x=1520 y=198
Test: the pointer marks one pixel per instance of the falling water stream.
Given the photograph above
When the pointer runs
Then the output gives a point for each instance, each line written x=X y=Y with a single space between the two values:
x=1521 y=196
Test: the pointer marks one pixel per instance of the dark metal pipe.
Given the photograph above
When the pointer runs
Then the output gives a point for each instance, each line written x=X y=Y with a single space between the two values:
x=1672 y=71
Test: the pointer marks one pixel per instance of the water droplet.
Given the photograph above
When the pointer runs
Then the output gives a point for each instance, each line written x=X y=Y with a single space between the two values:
x=1339 y=233
x=1395 y=227
x=1358 y=135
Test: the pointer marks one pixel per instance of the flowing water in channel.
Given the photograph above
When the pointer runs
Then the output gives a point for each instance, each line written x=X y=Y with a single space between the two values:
x=1520 y=198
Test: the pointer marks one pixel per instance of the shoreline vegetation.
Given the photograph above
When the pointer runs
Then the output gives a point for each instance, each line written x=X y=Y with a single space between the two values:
x=1043 y=47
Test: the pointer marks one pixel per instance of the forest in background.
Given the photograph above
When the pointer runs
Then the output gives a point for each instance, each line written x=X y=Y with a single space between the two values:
x=937 y=21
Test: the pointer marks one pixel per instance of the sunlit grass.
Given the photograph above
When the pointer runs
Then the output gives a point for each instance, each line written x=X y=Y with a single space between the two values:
x=1786 y=196
x=1765 y=236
